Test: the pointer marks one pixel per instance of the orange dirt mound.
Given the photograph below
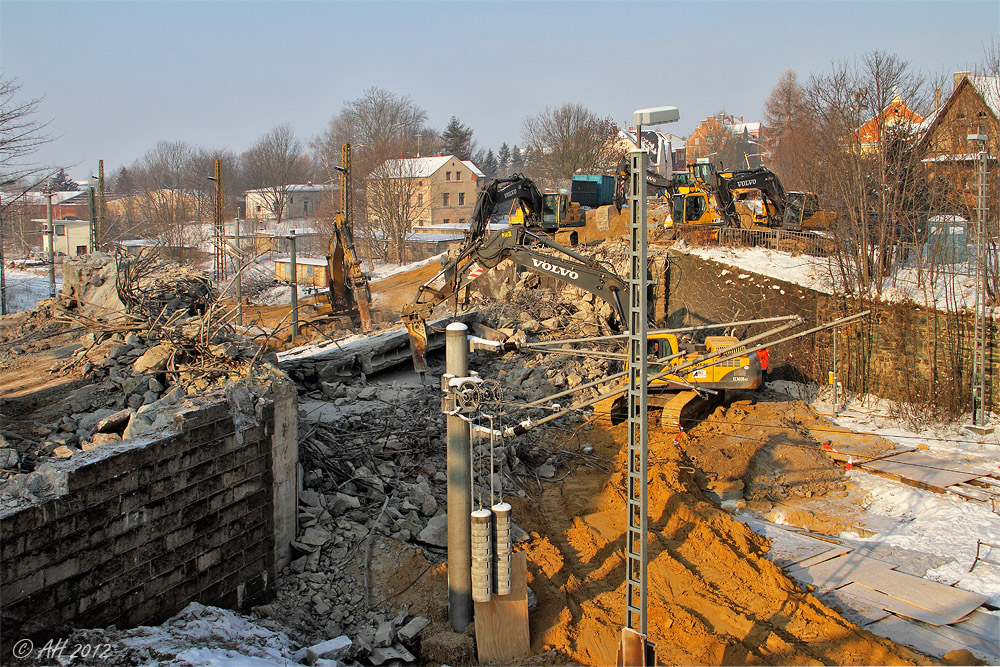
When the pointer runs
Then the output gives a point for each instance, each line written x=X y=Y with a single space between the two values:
x=713 y=598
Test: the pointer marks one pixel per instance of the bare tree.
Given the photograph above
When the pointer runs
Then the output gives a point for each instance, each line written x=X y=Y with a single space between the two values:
x=566 y=139
x=275 y=162
x=164 y=199
x=395 y=200
x=21 y=135
x=790 y=132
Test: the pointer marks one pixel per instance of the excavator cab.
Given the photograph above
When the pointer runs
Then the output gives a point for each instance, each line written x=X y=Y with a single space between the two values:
x=691 y=208
x=803 y=211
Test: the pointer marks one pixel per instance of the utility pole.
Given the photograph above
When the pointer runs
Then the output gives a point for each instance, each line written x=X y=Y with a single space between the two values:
x=92 y=209
x=980 y=411
x=637 y=499
x=459 y=471
x=295 y=284
x=3 y=271
x=52 y=242
x=101 y=202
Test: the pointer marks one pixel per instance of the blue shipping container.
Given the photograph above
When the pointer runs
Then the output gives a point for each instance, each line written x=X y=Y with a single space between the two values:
x=593 y=190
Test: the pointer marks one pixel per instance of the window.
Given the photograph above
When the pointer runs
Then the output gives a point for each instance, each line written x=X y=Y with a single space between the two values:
x=309 y=271
x=258 y=208
x=461 y=199
x=458 y=175
x=60 y=229
x=305 y=207
x=420 y=199
x=445 y=199
x=446 y=221
x=447 y=175
x=461 y=221
x=81 y=250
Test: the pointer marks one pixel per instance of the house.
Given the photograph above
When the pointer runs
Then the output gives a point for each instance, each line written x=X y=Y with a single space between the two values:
x=301 y=201
x=310 y=271
x=894 y=115
x=653 y=141
x=70 y=237
x=425 y=190
x=972 y=108
x=708 y=139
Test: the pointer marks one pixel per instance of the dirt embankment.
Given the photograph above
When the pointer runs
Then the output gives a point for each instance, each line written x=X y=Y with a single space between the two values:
x=713 y=597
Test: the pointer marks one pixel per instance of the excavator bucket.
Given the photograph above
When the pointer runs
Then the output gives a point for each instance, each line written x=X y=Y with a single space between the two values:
x=418 y=343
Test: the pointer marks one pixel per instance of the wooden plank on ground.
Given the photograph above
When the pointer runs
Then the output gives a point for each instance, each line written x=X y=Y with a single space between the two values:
x=934 y=641
x=839 y=571
x=895 y=605
x=946 y=601
x=502 y=623
x=928 y=476
x=915 y=458
x=826 y=555
x=868 y=611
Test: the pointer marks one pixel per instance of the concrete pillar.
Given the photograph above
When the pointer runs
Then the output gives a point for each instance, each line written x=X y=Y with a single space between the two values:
x=459 y=470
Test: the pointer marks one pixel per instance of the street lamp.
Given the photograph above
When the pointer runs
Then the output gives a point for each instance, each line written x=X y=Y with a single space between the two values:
x=638 y=376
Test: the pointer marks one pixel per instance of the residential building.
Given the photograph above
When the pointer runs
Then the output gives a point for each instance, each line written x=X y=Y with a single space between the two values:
x=301 y=201
x=972 y=108
x=704 y=144
x=70 y=237
x=895 y=114
x=425 y=190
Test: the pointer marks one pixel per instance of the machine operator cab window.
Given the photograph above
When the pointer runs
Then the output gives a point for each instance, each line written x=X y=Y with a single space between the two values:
x=695 y=208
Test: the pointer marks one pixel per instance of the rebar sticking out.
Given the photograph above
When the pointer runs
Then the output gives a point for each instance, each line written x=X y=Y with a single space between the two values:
x=482 y=556
x=504 y=548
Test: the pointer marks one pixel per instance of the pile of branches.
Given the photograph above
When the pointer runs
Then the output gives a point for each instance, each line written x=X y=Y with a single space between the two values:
x=150 y=287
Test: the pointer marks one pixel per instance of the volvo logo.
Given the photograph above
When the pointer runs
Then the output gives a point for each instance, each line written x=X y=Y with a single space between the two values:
x=554 y=270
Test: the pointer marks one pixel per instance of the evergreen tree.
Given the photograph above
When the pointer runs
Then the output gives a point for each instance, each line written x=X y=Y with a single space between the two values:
x=61 y=182
x=489 y=165
x=516 y=159
x=458 y=140
x=503 y=159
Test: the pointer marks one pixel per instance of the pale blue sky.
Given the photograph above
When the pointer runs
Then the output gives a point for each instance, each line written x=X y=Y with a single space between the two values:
x=117 y=77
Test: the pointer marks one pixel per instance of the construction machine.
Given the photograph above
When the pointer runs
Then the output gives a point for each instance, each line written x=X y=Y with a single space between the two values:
x=483 y=250
x=349 y=288
x=557 y=212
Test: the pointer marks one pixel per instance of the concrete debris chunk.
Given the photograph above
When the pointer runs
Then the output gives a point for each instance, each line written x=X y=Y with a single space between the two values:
x=315 y=537
x=381 y=655
x=331 y=649
x=412 y=630
x=384 y=635
x=436 y=532
x=154 y=359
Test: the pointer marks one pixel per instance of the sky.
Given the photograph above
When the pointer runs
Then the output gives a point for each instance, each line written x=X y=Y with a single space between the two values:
x=115 y=78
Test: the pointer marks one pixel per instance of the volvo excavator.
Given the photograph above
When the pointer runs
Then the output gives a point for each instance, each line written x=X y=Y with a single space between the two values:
x=718 y=364
x=349 y=289
x=483 y=250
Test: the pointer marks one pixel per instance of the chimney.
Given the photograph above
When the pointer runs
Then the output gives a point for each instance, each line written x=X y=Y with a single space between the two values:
x=937 y=99
x=958 y=78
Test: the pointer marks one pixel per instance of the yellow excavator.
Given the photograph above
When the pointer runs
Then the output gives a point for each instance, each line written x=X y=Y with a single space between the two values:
x=349 y=289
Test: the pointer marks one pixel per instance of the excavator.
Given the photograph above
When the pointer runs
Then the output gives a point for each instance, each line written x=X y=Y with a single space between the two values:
x=718 y=364
x=349 y=288
x=483 y=250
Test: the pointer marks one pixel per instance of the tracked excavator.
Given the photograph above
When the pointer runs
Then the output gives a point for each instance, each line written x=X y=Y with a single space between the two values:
x=483 y=250
x=716 y=365
x=349 y=288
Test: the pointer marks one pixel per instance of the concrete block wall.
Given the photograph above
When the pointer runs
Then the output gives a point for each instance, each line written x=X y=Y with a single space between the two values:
x=137 y=530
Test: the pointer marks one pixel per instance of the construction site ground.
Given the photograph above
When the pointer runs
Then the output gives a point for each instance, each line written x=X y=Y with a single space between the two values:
x=714 y=596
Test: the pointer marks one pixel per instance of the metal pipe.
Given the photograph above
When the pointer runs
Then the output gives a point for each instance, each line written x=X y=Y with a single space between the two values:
x=459 y=472
x=295 y=285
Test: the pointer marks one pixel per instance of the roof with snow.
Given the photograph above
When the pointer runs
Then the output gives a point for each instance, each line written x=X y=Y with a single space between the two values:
x=305 y=187
x=61 y=197
x=306 y=261
x=750 y=128
x=420 y=167
x=988 y=88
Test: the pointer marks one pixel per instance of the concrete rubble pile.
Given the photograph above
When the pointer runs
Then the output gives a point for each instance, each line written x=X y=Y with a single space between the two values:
x=131 y=372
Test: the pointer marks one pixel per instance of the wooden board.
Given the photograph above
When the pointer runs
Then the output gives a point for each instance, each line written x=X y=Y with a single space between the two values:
x=823 y=556
x=946 y=601
x=915 y=458
x=934 y=641
x=866 y=611
x=895 y=605
x=935 y=477
x=502 y=623
x=839 y=571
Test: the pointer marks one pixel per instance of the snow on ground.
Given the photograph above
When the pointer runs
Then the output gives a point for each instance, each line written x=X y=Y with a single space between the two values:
x=199 y=636
x=380 y=269
x=941 y=524
x=26 y=288
x=953 y=287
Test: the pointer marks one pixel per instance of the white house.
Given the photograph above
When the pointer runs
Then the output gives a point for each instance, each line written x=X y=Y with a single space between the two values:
x=70 y=237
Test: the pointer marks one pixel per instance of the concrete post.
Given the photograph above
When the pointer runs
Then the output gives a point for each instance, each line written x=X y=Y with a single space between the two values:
x=459 y=489
x=295 y=285
x=239 y=270
x=3 y=272
x=52 y=245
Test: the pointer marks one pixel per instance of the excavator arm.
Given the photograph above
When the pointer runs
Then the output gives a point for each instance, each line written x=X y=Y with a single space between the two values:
x=622 y=182
x=723 y=185
x=514 y=244
x=348 y=283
